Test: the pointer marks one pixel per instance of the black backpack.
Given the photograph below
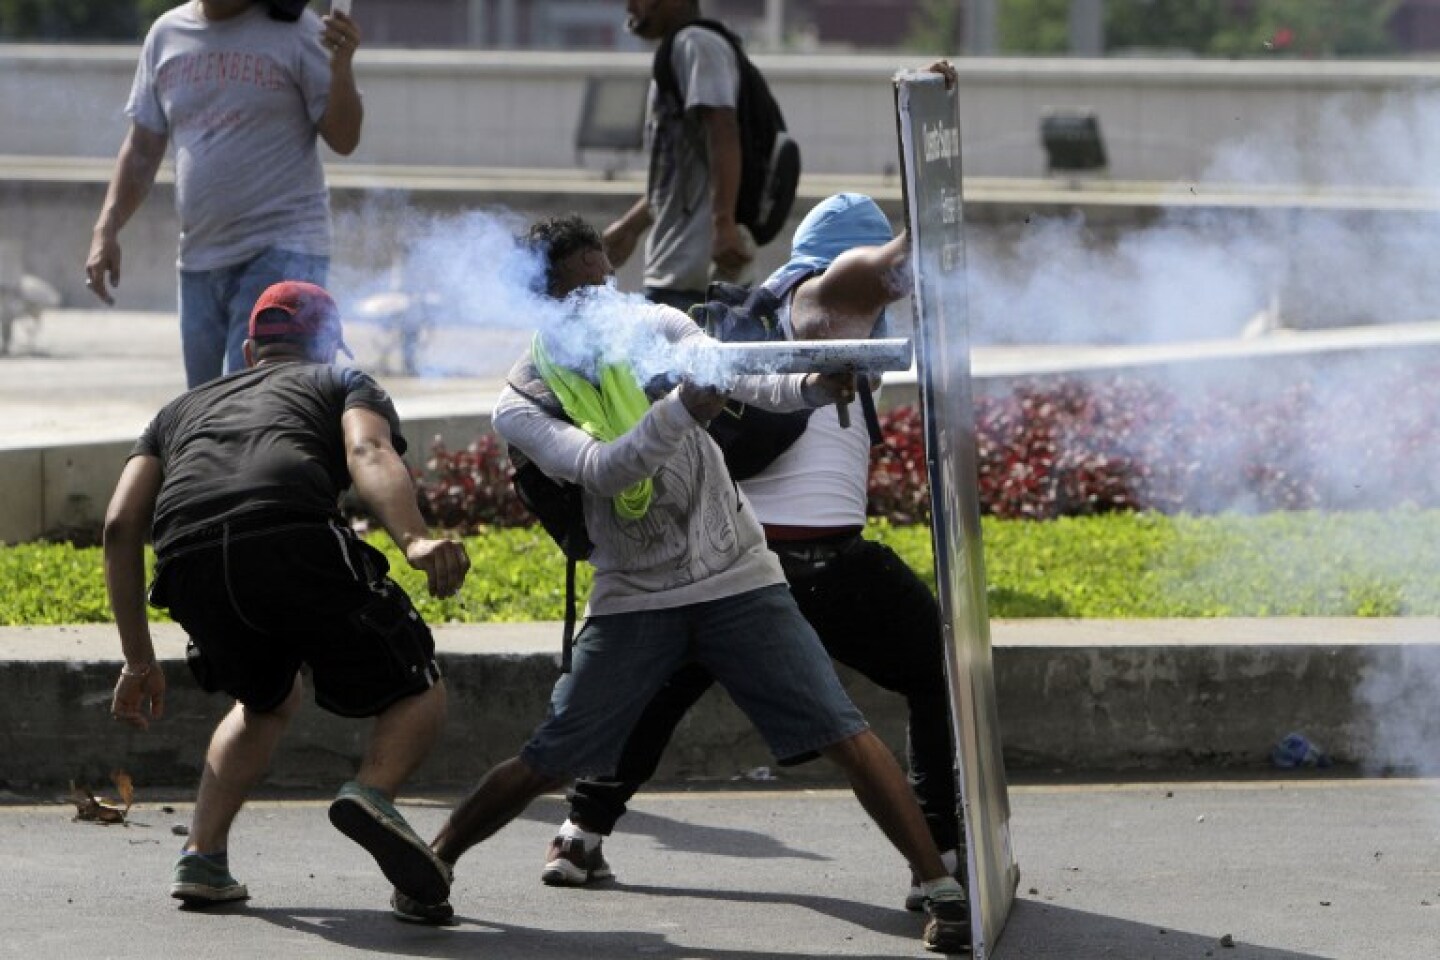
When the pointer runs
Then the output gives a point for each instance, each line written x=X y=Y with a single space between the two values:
x=749 y=437
x=769 y=158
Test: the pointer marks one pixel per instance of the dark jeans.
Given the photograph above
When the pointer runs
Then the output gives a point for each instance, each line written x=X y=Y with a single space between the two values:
x=873 y=614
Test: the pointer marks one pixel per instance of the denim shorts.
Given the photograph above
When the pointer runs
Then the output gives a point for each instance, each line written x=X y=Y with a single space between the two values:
x=757 y=646
x=215 y=307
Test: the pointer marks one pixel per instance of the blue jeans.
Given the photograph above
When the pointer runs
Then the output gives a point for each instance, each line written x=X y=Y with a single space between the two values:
x=756 y=645
x=215 y=308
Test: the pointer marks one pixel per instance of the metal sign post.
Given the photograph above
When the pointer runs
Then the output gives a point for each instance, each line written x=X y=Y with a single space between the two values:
x=929 y=127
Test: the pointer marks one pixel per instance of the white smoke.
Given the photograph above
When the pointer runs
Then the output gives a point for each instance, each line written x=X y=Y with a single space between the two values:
x=1333 y=218
x=471 y=275
x=1397 y=701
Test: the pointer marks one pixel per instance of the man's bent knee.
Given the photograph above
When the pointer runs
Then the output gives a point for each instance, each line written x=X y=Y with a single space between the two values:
x=852 y=750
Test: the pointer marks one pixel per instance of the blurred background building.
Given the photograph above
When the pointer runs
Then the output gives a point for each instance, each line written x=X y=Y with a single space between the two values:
x=1224 y=28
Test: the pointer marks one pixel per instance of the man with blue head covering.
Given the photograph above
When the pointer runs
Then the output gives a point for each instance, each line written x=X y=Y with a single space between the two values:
x=869 y=609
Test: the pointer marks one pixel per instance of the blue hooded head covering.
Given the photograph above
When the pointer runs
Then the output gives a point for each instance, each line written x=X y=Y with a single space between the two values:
x=836 y=224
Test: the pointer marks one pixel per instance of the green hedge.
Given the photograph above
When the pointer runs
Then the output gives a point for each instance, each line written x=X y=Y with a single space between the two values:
x=1119 y=565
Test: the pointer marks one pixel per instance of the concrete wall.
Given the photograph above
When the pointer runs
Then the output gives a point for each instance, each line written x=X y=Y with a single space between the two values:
x=1161 y=119
x=1074 y=696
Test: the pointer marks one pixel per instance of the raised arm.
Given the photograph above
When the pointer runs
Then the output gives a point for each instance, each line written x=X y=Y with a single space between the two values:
x=844 y=302
x=344 y=112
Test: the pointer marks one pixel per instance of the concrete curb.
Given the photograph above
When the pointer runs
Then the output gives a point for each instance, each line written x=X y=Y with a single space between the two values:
x=1074 y=695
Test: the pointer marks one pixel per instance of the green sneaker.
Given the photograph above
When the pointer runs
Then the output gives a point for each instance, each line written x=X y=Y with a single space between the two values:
x=199 y=881
x=366 y=816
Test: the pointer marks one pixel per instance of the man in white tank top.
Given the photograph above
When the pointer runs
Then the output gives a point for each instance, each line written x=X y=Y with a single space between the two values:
x=870 y=610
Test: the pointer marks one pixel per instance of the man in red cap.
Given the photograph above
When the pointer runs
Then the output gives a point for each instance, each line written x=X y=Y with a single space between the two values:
x=237 y=482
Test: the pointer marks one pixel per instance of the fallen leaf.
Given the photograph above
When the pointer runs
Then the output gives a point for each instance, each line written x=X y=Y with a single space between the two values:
x=89 y=807
x=126 y=786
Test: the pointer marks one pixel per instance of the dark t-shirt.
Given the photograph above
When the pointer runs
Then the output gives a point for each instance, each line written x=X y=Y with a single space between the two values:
x=264 y=441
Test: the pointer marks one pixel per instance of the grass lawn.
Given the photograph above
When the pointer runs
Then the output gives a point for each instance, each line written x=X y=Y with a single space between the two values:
x=1115 y=566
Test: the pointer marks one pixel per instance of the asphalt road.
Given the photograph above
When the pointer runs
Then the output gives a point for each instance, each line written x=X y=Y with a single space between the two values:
x=1290 y=870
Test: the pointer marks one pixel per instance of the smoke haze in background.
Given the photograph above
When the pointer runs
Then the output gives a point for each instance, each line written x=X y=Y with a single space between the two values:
x=469 y=279
x=1397 y=696
x=1202 y=275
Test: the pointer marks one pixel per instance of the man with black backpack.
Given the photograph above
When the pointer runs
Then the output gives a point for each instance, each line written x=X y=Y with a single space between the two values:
x=722 y=169
x=681 y=574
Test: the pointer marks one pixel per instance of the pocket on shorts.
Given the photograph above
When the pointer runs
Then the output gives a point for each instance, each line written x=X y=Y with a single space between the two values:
x=389 y=654
x=392 y=619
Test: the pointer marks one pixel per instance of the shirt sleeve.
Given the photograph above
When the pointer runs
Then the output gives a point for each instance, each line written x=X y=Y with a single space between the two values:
x=563 y=451
x=706 y=68
x=312 y=66
x=361 y=390
x=144 y=107
x=149 y=443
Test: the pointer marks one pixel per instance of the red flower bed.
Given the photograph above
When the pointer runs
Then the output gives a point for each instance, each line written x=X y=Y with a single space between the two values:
x=1072 y=447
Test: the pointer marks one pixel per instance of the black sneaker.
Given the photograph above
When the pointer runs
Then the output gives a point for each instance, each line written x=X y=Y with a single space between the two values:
x=413 y=911
x=569 y=864
x=947 y=927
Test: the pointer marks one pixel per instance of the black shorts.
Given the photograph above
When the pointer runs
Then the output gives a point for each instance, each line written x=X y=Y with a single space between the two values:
x=259 y=603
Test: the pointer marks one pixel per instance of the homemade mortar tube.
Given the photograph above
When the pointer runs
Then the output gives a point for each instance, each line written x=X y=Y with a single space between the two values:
x=806 y=356
x=860 y=357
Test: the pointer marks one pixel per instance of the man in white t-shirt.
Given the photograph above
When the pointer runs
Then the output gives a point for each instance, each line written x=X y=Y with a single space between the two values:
x=694 y=143
x=242 y=89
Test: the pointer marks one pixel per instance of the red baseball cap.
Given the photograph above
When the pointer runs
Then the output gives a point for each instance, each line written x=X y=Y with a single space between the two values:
x=296 y=309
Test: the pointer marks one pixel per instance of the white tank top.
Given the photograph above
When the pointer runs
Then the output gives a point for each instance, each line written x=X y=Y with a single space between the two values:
x=822 y=480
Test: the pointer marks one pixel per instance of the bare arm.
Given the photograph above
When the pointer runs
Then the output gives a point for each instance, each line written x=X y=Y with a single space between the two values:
x=384 y=485
x=127 y=527
x=621 y=236
x=344 y=113
x=135 y=170
x=845 y=301
x=722 y=131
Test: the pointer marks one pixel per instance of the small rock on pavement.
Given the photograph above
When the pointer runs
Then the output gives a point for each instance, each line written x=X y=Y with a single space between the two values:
x=180 y=830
